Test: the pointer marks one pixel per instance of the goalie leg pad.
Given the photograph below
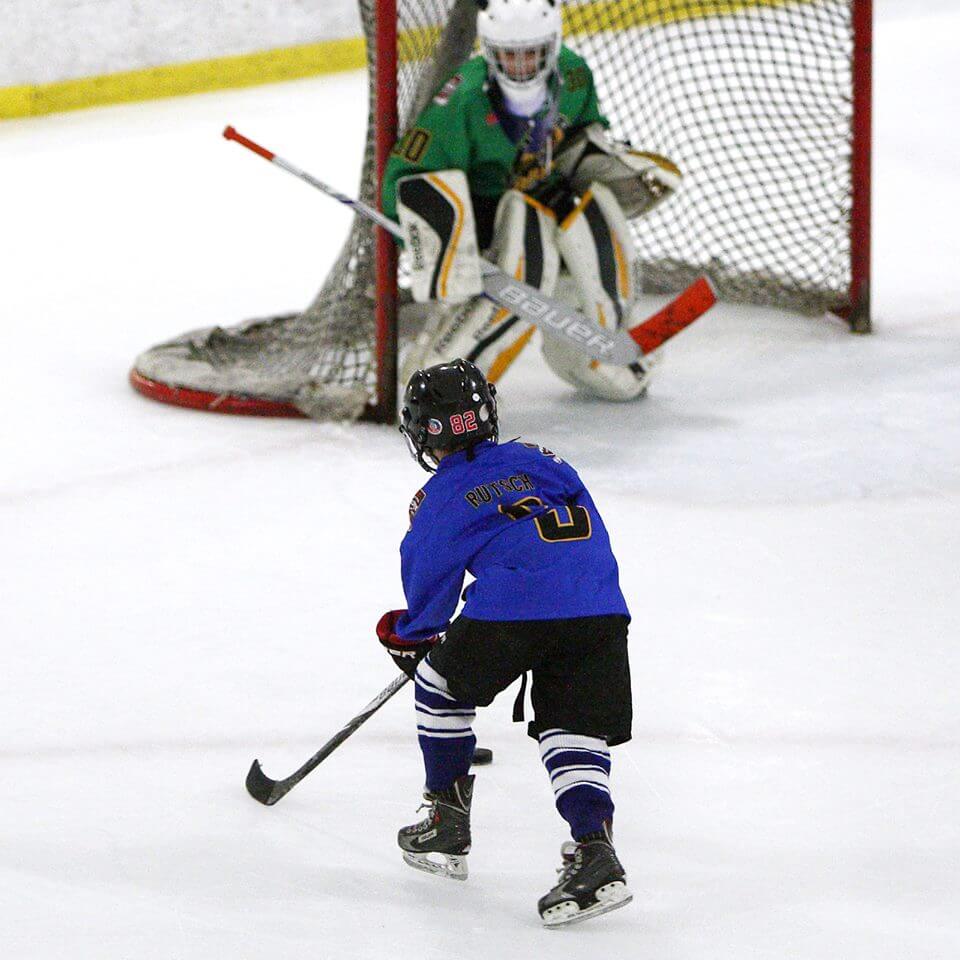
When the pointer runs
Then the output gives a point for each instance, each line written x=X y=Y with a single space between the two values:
x=597 y=248
x=603 y=380
x=524 y=247
x=440 y=236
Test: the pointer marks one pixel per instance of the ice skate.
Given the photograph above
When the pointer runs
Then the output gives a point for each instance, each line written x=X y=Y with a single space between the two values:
x=591 y=882
x=440 y=842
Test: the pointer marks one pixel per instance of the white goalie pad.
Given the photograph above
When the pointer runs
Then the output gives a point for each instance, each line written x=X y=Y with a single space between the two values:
x=603 y=380
x=638 y=179
x=598 y=251
x=524 y=244
x=440 y=236
x=524 y=247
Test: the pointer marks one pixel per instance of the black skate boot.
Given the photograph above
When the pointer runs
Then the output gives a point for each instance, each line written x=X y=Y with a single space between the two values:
x=591 y=882
x=441 y=841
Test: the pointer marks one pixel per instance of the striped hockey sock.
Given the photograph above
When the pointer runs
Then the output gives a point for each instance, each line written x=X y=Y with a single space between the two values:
x=443 y=729
x=579 y=769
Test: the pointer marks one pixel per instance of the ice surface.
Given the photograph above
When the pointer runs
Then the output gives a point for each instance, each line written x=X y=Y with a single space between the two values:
x=181 y=593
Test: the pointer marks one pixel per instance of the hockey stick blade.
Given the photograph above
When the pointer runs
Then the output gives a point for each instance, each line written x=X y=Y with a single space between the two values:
x=677 y=315
x=261 y=787
x=267 y=791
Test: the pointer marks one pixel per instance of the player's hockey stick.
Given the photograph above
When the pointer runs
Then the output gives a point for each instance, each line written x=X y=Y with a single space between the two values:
x=552 y=316
x=268 y=791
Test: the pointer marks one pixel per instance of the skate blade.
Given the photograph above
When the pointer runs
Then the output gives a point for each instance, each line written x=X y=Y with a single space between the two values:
x=611 y=897
x=450 y=866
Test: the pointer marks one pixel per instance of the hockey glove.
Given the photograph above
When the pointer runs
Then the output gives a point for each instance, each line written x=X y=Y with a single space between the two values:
x=639 y=180
x=406 y=653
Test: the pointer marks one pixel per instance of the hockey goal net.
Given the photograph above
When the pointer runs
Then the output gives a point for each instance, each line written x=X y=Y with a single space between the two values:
x=764 y=105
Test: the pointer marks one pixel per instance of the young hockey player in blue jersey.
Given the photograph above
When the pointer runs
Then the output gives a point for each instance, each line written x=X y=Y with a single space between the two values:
x=546 y=599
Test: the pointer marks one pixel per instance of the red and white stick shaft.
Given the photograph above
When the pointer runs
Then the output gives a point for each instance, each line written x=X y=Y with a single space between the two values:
x=362 y=208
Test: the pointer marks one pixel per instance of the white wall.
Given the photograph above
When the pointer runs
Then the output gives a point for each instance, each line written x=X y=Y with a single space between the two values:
x=42 y=41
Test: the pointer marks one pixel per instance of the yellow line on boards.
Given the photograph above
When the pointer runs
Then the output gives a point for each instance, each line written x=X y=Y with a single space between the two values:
x=593 y=15
x=223 y=73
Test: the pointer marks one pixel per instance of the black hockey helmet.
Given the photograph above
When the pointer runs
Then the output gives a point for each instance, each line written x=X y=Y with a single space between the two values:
x=449 y=406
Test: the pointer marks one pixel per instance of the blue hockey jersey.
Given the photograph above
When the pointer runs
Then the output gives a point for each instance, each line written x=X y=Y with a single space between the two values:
x=519 y=519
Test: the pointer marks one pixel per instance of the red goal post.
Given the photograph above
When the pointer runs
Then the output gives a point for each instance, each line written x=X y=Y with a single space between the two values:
x=764 y=104
x=857 y=309
x=384 y=404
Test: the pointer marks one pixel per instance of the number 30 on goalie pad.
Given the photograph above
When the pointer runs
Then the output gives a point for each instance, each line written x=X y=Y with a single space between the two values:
x=440 y=235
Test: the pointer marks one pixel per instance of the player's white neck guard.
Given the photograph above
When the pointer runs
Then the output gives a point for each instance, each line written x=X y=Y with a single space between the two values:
x=525 y=101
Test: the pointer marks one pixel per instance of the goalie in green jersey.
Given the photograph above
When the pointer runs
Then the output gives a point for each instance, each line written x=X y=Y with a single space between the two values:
x=512 y=157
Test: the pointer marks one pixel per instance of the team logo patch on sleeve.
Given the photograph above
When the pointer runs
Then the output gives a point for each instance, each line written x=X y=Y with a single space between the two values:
x=447 y=90
x=415 y=503
x=576 y=79
x=543 y=450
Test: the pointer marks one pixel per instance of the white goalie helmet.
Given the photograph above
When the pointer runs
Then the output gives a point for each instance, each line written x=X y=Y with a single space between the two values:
x=520 y=40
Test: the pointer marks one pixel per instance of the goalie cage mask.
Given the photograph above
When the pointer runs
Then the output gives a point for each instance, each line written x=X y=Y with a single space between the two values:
x=520 y=40
x=449 y=406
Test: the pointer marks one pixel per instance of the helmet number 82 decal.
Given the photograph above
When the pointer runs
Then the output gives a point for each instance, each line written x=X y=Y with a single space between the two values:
x=463 y=422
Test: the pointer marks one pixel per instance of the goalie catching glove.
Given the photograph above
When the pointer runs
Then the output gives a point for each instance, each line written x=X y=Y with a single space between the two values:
x=440 y=235
x=406 y=653
x=639 y=180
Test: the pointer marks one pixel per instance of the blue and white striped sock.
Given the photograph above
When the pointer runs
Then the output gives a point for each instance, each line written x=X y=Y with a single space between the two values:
x=579 y=769
x=443 y=729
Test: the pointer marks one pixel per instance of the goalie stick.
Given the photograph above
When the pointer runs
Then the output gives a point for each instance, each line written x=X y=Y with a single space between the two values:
x=553 y=317
x=677 y=315
x=267 y=791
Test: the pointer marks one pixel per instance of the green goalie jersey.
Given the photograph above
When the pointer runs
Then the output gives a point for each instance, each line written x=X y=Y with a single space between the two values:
x=467 y=127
